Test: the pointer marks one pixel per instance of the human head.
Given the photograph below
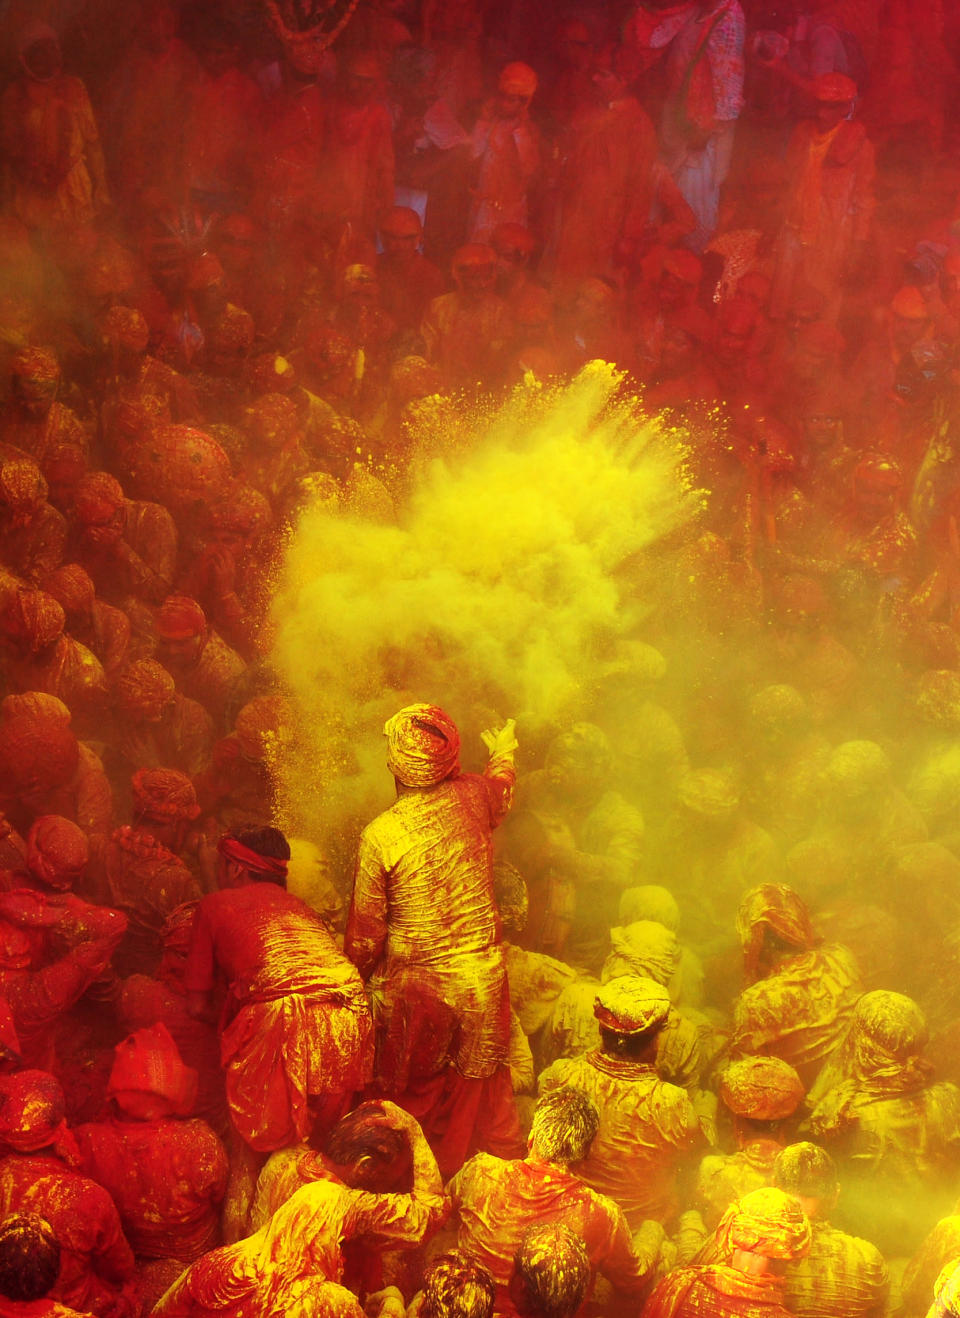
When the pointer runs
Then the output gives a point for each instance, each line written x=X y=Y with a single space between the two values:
x=643 y=947
x=143 y=690
x=736 y=325
x=57 y=851
x=38 y=751
x=808 y=1172
x=515 y=89
x=474 y=269
x=709 y=796
x=32 y=621
x=34 y=379
x=182 y=631
x=631 y=1011
x=565 y=1124
x=772 y=922
x=39 y=49
x=29 y=1257
x=834 y=96
x=856 y=779
x=64 y=467
x=551 y=1272
x=99 y=509
x=761 y=1093
x=574 y=46
x=253 y=855
x=32 y=1112
x=778 y=715
x=510 y=894
x=578 y=762
x=362 y=77
x=766 y=1223
x=423 y=746
x=164 y=804
x=148 y=1079
x=400 y=232
x=909 y=317
x=455 y=1287
x=23 y=492
x=369 y=1153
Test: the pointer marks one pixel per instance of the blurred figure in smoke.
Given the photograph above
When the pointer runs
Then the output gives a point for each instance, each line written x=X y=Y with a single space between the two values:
x=423 y=929
x=465 y=332
x=647 y=1127
x=408 y=281
x=33 y=421
x=506 y=147
x=895 y=1133
x=842 y=1276
x=51 y=147
x=800 y=996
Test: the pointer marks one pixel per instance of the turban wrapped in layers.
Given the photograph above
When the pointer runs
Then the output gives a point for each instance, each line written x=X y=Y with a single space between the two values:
x=642 y=948
x=144 y=685
x=423 y=746
x=72 y=587
x=946 y=1291
x=767 y=1222
x=857 y=769
x=631 y=1004
x=99 y=495
x=36 y=754
x=273 y=420
x=650 y=901
x=36 y=366
x=778 y=908
x=233 y=332
x=22 y=486
x=762 y=1088
x=32 y=1113
x=241 y=509
x=805 y=1169
x=57 y=851
x=180 y=617
x=262 y=724
x=148 y=1062
x=710 y=793
x=164 y=795
x=779 y=709
x=33 y=619
x=177 y=465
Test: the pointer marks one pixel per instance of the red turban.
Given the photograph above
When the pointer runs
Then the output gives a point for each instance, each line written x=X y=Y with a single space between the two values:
x=144 y=684
x=273 y=420
x=177 y=465
x=834 y=89
x=36 y=754
x=57 y=851
x=148 y=1062
x=761 y=1088
x=22 y=487
x=517 y=79
x=34 y=618
x=423 y=746
x=72 y=588
x=126 y=327
x=32 y=1113
x=164 y=795
x=233 y=332
x=98 y=497
x=179 y=618
x=243 y=510
x=776 y=907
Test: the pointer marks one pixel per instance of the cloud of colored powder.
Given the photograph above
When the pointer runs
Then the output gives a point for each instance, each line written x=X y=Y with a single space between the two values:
x=496 y=593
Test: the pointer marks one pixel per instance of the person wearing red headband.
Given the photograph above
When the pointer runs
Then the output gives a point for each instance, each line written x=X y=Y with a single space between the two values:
x=295 y=1027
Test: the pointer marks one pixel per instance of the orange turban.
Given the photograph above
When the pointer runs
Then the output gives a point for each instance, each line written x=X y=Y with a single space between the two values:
x=98 y=497
x=762 y=1088
x=423 y=746
x=32 y=1112
x=57 y=851
x=148 y=1062
x=34 y=618
x=37 y=366
x=767 y=1222
x=273 y=420
x=22 y=486
x=164 y=795
x=127 y=328
x=179 y=618
x=261 y=725
x=778 y=908
x=144 y=684
x=72 y=588
x=36 y=754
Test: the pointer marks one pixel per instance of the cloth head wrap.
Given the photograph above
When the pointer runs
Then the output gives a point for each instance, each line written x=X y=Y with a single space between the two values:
x=143 y=685
x=805 y=1169
x=584 y=747
x=776 y=907
x=262 y=726
x=242 y=509
x=110 y=271
x=72 y=588
x=766 y=1222
x=273 y=420
x=834 y=89
x=98 y=497
x=649 y=901
x=857 y=769
x=630 y=1004
x=164 y=795
x=180 y=617
x=710 y=793
x=32 y=1115
x=34 y=618
x=762 y=1088
x=148 y=1062
x=22 y=485
x=178 y=928
x=423 y=746
x=642 y=948
x=272 y=866
x=233 y=332
x=57 y=851
x=778 y=709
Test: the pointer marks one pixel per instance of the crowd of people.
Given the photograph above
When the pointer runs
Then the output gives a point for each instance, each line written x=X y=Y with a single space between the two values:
x=660 y=1016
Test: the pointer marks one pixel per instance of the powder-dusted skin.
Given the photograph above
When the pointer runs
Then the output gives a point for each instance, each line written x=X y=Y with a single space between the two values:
x=296 y=1023
x=497 y=1201
x=167 y=1178
x=300 y=1242
x=646 y=1127
x=801 y=1011
x=424 y=919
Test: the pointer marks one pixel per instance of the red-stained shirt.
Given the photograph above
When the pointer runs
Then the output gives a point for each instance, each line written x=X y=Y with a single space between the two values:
x=497 y=1201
